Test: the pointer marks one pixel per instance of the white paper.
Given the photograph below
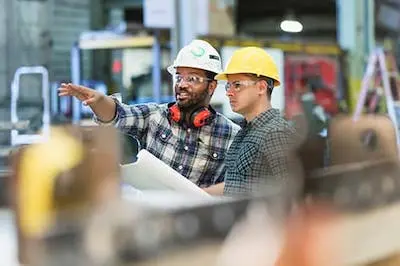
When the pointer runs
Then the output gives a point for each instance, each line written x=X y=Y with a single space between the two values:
x=168 y=200
x=150 y=173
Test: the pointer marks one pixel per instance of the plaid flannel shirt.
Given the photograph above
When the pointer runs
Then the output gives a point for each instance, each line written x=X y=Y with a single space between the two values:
x=258 y=158
x=196 y=153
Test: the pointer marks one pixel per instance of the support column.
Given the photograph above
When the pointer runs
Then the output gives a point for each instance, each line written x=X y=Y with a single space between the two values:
x=187 y=21
x=4 y=5
x=100 y=58
x=356 y=35
x=176 y=31
x=189 y=18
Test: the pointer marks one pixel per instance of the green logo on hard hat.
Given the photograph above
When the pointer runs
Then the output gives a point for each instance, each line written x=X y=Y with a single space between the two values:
x=197 y=51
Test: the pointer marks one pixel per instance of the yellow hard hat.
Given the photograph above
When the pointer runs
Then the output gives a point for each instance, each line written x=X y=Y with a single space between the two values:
x=251 y=60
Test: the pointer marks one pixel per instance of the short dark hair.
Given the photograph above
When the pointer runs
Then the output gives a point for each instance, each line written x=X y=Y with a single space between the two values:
x=270 y=83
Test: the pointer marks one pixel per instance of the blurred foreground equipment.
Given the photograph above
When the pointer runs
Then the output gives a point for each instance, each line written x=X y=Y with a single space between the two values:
x=361 y=187
x=59 y=182
x=70 y=212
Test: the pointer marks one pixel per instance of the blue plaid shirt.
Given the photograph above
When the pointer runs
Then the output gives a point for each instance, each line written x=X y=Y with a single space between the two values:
x=196 y=153
x=262 y=156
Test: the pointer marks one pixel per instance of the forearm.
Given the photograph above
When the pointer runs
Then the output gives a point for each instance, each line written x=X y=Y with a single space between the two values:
x=104 y=109
x=215 y=190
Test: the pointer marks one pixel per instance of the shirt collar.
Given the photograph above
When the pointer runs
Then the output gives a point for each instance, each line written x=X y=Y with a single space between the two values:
x=263 y=118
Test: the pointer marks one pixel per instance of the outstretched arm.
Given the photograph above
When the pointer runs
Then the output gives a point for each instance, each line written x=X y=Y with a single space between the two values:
x=103 y=107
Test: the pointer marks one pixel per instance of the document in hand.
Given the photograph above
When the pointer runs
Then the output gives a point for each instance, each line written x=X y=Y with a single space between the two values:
x=150 y=173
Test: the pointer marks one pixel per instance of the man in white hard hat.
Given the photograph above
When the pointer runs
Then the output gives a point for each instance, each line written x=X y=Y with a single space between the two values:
x=188 y=135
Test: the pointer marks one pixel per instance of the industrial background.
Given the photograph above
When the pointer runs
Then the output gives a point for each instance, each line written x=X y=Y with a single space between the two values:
x=107 y=44
x=324 y=50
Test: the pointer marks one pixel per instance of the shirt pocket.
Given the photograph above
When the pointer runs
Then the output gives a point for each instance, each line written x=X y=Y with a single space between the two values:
x=245 y=159
x=210 y=159
x=161 y=141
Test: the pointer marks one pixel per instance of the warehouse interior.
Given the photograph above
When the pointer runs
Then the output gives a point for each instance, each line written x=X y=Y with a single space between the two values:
x=344 y=54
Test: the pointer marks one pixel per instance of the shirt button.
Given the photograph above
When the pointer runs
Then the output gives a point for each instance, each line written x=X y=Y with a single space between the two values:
x=215 y=155
x=180 y=167
x=163 y=136
x=186 y=148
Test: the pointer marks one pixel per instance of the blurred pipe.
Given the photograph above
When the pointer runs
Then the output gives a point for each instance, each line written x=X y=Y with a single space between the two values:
x=76 y=71
x=156 y=73
x=188 y=21
x=176 y=31
x=346 y=22
x=369 y=20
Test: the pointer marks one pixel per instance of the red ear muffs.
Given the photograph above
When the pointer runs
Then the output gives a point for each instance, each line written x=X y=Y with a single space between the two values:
x=175 y=113
x=200 y=117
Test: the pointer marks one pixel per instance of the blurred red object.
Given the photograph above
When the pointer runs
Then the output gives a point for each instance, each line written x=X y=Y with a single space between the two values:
x=308 y=241
x=327 y=99
x=293 y=107
x=117 y=67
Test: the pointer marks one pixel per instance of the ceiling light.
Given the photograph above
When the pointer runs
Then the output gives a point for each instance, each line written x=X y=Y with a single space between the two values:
x=293 y=26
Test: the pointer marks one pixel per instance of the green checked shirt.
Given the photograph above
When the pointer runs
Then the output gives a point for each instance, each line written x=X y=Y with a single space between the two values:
x=259 y=157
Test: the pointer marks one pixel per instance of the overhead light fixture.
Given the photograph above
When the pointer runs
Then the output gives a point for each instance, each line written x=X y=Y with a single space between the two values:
x=290 y=24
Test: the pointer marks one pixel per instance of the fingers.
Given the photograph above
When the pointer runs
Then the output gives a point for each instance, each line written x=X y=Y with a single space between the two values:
x=84 y=94
x=89 y=101
x=64 y=90
x=69 y=89
x=80 y=89
x=64 y=94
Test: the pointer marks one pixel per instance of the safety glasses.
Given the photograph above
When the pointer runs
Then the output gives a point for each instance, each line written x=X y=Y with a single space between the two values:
x=191 y=80
x=239 y=85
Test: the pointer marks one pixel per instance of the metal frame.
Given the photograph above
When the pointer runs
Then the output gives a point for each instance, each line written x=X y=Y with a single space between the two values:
x=121 y=42
x=16 y=138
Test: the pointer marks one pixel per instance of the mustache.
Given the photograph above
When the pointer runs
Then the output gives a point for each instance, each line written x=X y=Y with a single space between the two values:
x=179 y=90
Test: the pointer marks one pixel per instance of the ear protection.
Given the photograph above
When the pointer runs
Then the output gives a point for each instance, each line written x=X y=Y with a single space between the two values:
x=198 y=118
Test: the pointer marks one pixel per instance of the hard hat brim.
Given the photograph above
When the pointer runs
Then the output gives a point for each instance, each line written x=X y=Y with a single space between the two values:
x=221 y=76
x=172 y=68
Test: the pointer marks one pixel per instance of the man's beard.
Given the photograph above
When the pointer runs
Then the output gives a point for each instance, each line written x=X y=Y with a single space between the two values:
x=194 y=100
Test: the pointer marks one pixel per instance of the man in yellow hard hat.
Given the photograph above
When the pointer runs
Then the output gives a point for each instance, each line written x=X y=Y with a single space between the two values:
x=260 y=155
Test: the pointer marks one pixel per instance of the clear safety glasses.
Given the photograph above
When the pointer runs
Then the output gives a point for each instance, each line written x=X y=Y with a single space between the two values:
x=237 y=86
x=191 y=80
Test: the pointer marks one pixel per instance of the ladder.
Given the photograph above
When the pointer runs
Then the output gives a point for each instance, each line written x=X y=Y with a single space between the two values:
x=378 y=59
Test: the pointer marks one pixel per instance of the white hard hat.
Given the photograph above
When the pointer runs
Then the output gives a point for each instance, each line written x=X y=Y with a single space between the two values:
x=198 y=54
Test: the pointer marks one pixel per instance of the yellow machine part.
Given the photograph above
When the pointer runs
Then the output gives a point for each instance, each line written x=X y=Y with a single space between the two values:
x=40 y=165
